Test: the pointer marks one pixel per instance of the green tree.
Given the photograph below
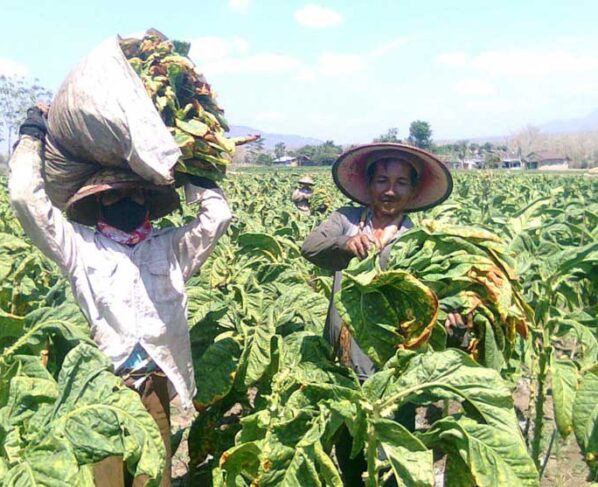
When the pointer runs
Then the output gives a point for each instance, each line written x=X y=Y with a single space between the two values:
x=463 y=149
x=488 y=146
x=264 y=159
x=322 y=155
x=17 y=94
x=492 y=160
x=389 y=136
x=420 y=134
x=280 y=150
x=255 y=149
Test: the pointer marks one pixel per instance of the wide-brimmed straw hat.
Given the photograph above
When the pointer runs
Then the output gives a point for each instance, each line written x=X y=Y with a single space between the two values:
x=350 y=173
x=83 y=206
x=307 y=180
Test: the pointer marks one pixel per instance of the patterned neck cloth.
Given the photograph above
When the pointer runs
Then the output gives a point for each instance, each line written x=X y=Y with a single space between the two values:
x=126 y=238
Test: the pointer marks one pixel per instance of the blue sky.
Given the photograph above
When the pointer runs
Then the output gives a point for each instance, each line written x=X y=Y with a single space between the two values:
x=345 y=70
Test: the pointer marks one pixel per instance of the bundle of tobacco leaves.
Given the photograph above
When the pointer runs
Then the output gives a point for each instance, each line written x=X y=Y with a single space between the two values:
x=185 y=102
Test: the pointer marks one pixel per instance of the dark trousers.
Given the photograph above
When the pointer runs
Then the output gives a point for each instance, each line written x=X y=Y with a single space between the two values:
x=351 y=469
x=111 y=471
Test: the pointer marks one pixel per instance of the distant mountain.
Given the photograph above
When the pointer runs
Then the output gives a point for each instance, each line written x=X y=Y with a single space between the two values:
x=583 y=124
x=589 y=123
x=270 y=139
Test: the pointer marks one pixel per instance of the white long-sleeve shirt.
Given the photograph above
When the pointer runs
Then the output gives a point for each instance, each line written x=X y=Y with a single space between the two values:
x=129 y=295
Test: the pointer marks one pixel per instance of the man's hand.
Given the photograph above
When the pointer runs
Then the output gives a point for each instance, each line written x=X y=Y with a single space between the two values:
x=459 y=332
x=35 y=123
x=359 y=245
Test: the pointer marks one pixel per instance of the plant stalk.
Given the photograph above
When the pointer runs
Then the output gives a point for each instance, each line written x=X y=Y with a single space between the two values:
x=539 y=407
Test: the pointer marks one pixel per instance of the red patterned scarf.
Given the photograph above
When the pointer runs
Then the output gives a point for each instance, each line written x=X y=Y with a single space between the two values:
x=126 y=238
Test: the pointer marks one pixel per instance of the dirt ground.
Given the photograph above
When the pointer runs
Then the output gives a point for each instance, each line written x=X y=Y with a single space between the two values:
x=565 y=466
x=180 y=421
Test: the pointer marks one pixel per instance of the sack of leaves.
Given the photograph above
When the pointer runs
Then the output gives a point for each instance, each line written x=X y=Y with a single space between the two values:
x=185 y=102
x=136 y=104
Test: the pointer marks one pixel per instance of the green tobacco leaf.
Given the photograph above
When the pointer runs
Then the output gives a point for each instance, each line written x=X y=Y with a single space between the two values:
x=11 y=326
x=52 y=465
x=565 y=376
x=263 y=244
x=456 y=473
x=257 y=354
x=65 y=321
x=241 y=460
x=585 y=415
x=494 y=457
x=493 y=358
x=289 y=456
x=175 y=76
x=452 y=374
x=183 y=166
x=328 y=471
x=193 y=127
x=89 y=415
x=12 y=244
x=411 y=461
x=215 y=371
x=185 y=143
x=100 y=416
x=386 y=310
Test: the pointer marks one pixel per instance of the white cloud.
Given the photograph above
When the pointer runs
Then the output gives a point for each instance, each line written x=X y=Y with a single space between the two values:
x=316 y=16
x=8 y=67
x=388 y=47
x=240 y=6
x=255 y=64
x=307 y=74
x=524 y=63
x=455 y=59
x=474 y=87
x=336 y=64
x=207 y=49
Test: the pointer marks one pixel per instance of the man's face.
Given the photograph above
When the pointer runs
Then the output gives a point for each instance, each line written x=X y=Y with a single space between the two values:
x=390 y=188
x=108 y=198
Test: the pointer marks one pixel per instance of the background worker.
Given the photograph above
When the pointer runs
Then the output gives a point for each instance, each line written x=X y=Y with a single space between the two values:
x=303 y=194
x=127 y=277
x=387 y=180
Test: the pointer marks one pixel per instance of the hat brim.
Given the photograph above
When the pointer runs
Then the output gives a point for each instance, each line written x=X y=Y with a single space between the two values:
x=83 y=207
x=435 y=181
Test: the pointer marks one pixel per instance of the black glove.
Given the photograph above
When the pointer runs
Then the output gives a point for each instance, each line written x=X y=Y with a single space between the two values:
x=35 y=124
x=202 y=182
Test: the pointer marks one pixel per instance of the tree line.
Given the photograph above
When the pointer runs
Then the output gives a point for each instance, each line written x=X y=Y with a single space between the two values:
x=17 y=94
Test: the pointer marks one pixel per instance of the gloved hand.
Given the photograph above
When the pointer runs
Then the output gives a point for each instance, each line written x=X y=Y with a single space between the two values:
x=35 y=124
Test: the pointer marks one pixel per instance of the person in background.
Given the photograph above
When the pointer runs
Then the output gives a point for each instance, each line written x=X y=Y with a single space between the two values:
x=303 y=194
x=127 y=277
x=387 y=181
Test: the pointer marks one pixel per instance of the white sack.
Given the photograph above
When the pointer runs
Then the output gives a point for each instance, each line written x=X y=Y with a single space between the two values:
x=102 y=116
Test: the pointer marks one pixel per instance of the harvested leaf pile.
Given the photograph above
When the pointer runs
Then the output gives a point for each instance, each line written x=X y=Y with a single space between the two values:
x=470 y=272
x=185 y=102
x=434 y=270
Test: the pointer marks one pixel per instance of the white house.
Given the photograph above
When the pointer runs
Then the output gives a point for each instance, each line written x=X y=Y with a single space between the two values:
x=546 y=161
x=286 y=161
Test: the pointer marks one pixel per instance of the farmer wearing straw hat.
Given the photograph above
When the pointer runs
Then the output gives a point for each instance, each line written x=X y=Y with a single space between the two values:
x=128 y=278
x=389 y=181
x=303 y=194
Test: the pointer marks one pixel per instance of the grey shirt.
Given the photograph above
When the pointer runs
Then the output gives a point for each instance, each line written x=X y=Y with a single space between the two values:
x=325 y=248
